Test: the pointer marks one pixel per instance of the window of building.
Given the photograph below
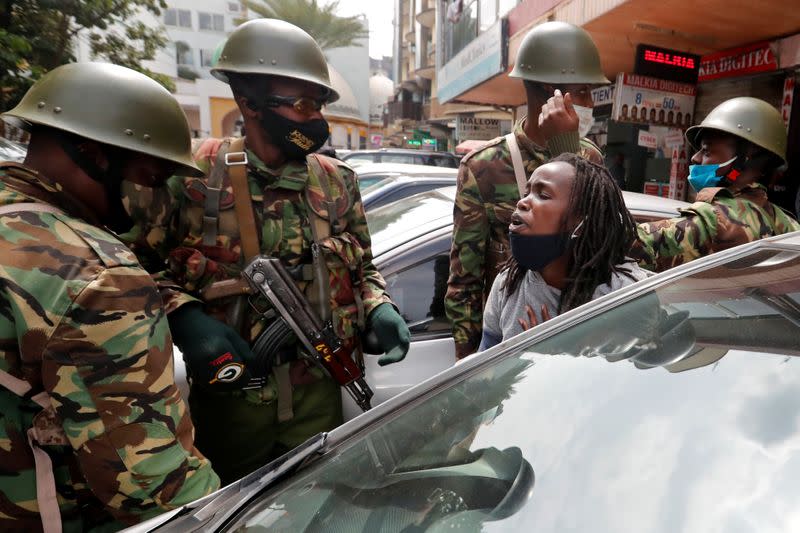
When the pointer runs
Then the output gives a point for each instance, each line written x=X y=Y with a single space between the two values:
x=206 y=57
x=476 y=17
x=460 y=34
x=234 y=7
x=487 y=14
x=183 y=53
x=171 y=17
x=211 y=21
x=181 y=18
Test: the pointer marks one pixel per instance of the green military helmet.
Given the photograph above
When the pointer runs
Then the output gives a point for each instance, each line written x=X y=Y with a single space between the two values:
x=559 y=53
x=109 y=104
x=748 y=118
x=276 y=48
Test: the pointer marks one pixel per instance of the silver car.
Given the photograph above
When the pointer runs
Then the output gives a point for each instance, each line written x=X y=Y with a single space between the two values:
x=668 y=406
x=371 y=174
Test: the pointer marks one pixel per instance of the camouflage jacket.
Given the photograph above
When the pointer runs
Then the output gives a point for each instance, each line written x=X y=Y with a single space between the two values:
x=81 y=320
x=487 y=195
x=170 y=227
x=719 y=219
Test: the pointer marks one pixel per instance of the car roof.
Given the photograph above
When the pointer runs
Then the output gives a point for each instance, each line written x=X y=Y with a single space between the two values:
x=404 y=169
x=401 y=151
x=401 y=222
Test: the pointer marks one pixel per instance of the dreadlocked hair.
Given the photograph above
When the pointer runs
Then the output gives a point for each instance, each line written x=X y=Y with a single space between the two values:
x=602 y=242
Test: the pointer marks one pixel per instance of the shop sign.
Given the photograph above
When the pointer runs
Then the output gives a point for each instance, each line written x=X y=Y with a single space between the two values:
x=481 y=59
x=647 y=139
x=751 y=59
x=667 y=64
x=477 y=129
x=788 y=97
x=603 y=95
x=645 y=100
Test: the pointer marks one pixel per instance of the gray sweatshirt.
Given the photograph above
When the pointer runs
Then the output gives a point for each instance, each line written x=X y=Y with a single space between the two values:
x=502 y=311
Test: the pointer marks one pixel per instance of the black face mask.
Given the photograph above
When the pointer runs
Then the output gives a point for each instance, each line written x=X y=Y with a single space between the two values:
x=535 y=252
x=118 y=221
x=295 y=139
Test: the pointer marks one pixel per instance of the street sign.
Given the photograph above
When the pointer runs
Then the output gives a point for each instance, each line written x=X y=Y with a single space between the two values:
x=478 y=129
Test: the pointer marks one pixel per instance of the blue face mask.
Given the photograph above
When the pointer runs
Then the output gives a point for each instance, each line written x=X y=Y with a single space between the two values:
x=702 y=176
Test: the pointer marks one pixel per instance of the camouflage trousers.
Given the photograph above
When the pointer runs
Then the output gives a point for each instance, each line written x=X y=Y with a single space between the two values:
x=241 y=431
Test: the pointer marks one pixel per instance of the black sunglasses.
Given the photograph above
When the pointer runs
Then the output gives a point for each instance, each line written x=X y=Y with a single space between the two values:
x=301 y=104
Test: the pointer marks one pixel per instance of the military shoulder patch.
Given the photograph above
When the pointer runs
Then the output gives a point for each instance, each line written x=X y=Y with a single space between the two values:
x=489 y=144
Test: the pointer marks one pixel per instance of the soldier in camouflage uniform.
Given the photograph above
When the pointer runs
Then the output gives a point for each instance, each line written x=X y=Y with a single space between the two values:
x=86 y=370
x=280 y=81
x=741 y=142
x=559 y=64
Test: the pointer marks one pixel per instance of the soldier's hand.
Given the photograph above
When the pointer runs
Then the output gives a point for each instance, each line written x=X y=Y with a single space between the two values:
x=215 y=355
x=392 y=333
x=558 y=116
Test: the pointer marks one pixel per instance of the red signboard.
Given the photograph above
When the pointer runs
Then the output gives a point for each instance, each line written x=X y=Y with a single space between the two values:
x=751 y=59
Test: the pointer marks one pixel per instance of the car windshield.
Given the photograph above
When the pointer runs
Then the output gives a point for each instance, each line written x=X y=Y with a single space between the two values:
x=675 y=410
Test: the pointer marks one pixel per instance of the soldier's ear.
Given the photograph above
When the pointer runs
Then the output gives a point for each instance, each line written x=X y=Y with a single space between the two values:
x=246 y=106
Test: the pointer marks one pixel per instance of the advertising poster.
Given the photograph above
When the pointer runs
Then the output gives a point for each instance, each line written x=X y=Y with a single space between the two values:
x=643 y=100
x=679 y=172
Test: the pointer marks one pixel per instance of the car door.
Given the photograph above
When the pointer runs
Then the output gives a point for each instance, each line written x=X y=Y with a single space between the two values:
x=416 y=279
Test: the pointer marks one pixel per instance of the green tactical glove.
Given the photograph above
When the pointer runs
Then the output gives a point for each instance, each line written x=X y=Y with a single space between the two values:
x=215 y=355
x=391 y=331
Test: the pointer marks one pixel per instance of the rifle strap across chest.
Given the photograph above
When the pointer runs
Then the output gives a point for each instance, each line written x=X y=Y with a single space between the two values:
x=236 y=163
x=516 y=162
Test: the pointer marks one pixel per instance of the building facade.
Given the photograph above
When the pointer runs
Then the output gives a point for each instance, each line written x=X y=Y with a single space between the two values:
x=752 y=51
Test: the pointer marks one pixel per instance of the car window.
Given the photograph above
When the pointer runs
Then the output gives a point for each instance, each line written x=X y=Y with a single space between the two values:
x=442 y=161
x=419 y=292
x=406 y=159
x=404 y=192
x=645 y=416
x=368 y=181
x=358 y=158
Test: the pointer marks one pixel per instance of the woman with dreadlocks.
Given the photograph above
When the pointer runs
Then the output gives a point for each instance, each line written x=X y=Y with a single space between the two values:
x=569 y=239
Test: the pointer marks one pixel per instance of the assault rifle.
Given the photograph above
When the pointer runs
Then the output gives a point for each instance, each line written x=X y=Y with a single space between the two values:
x=269 y=278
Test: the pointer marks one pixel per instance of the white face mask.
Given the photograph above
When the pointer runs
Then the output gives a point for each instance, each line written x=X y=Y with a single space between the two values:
x=585 y=118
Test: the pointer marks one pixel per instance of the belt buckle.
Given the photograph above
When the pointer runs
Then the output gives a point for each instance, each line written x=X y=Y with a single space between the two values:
x=234 y=163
